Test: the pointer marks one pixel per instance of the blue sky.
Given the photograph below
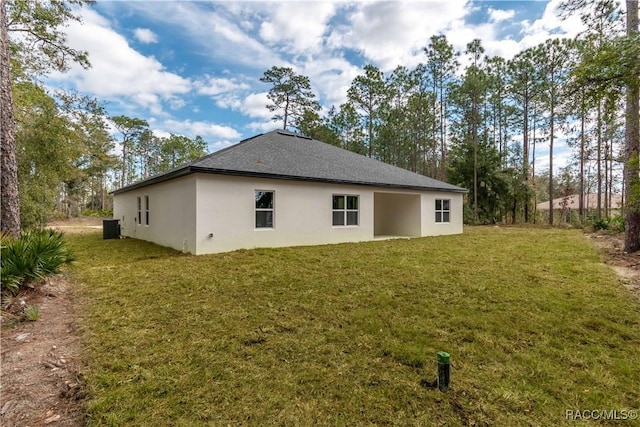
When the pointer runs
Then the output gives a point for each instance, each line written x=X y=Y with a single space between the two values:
x=193 y=68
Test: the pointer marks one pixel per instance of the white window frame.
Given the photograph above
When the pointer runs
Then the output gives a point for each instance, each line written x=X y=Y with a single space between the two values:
x=139 y=216
x=272 y=209
x=146 y=210
x=442 y=212
x=345 y=211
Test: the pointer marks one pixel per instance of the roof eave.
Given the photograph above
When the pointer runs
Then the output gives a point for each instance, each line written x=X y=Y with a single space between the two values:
x=324 y=180
x=155 y=180
x=188 y=170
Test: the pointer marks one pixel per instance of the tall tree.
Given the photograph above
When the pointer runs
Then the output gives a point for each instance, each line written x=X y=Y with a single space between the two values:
x=131 y=129
x=500 y=112
x=602 y=20
x=394 y=144
x=368 y=94
x=49 y=150
x=88 y=122
x=420 y=120
x=9 y=193
x=442 y=64
x=469 y=99
x=523 y=81
x=41 y=27
x=290 y=94
x=176 y=150
x=316 y=127
x=618 y=62
x=346 y=124
x=553 y=56
x=631 y=58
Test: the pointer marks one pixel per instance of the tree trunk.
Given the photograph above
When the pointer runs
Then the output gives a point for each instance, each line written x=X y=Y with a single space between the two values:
x=551 y=137
x=9 y=193
x=525 y=153
x=632 y=143
x=599 y=162
x=582 y=152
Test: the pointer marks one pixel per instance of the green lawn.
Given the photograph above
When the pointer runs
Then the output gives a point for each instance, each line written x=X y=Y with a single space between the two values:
x=348 y=334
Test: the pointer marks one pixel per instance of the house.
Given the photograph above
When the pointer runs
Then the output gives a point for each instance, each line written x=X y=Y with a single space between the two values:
x=284 y=189
x=590 y=202
x=566 y=209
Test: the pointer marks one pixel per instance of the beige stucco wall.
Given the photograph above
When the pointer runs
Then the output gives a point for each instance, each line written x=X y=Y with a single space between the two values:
x=429 y=225
x=172 y=216
x=186 y=211
x=302 y=214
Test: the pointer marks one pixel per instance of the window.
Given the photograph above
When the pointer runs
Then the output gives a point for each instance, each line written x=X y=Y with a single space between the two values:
x=139 y=218
x=442 y=210
x=264 y=209
x=345 y=210
x=146 y=210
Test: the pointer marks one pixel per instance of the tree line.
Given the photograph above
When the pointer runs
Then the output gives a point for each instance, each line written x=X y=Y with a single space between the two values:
x=479 y=125
x=463 y=117
x=69 y=156
x=59 y=155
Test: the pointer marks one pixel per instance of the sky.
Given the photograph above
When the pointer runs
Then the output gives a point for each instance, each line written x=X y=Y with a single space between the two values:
x=194 y=67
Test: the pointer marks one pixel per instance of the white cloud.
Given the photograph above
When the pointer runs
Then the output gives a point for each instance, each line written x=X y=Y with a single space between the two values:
x=118 y=71
x=209 y=25
x=193 y=128
x=328 y=41
x=393 y=33
x=219 y=145
x=297 y=27
x=330 y=76
x=145 y=35
x=499 y=15
x=219 y=85
x=550 y=25
x=253 y=105
x=161 y=133
x=264 y=126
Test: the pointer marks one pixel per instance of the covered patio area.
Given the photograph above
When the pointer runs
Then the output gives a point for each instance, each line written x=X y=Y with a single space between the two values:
x=396 y=215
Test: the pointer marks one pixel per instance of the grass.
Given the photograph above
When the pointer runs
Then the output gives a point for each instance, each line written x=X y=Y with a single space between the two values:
x=348 y=334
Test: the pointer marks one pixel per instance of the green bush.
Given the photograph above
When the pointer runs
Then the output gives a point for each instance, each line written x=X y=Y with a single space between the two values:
x=601 y=224
x=31 y=258
x=617 y=224
x=31 y=313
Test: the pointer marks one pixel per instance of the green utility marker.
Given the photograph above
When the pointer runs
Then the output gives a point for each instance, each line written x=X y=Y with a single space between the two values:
x=444 y=371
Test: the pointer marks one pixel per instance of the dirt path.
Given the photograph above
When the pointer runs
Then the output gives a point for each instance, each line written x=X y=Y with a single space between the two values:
x=40 y=364
x=627 y=266
x=40 y=382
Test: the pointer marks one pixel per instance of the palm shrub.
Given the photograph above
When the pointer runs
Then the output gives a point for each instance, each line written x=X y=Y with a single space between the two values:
x=616 y=224
x=8 y=277
x=31 y=258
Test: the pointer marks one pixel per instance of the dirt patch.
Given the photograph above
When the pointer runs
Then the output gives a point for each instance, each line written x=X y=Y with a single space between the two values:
x=626 y=265
x=77 y=225
x=41 y=382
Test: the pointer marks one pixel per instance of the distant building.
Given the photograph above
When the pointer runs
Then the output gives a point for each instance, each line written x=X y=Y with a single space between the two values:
x=590 y=202
x=566 y=209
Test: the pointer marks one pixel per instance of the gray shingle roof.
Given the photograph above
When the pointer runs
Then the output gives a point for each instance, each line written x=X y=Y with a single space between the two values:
x=286 y=155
